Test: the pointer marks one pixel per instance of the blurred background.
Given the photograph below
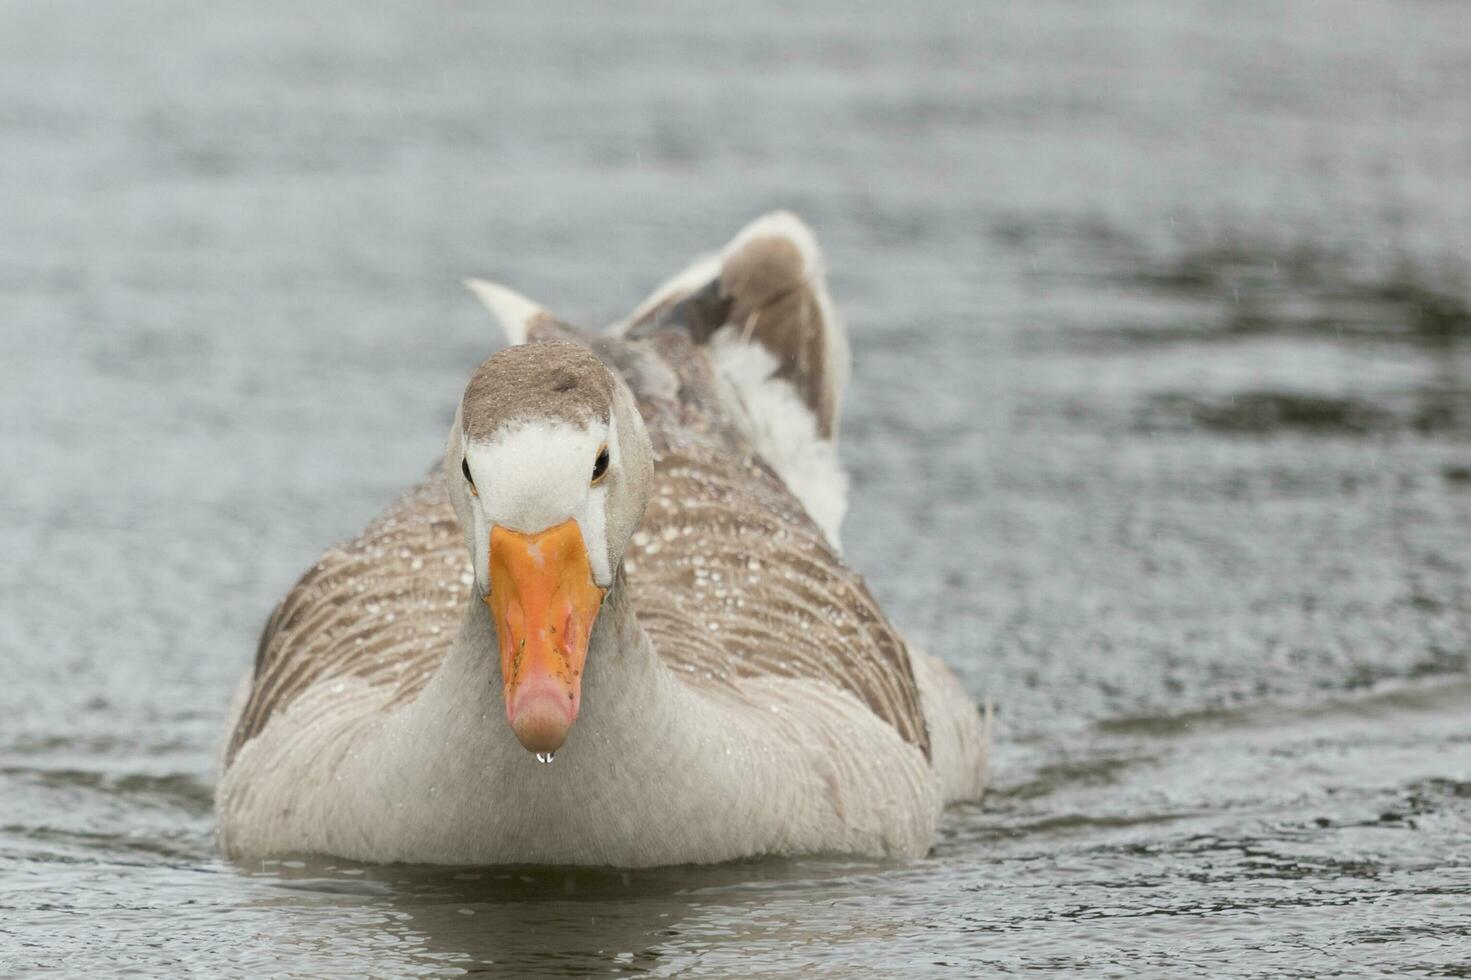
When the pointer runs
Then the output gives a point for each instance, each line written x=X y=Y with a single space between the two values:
x=1158 y=432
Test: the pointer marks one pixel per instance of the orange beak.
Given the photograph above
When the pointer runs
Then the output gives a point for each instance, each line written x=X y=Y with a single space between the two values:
x=544 y=601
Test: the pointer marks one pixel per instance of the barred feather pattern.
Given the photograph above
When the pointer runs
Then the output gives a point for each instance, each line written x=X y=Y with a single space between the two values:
x=731 y=582
x=382 y=608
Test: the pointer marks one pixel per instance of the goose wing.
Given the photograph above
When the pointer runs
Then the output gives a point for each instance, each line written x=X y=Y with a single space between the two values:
x=379 y=611
x=766 y=289
x=730 y=575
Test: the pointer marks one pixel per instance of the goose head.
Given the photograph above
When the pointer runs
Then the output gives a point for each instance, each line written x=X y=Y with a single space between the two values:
x=548 y=466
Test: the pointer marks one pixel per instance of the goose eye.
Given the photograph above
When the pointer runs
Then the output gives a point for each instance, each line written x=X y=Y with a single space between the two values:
x=600 y=465
x=465 y=469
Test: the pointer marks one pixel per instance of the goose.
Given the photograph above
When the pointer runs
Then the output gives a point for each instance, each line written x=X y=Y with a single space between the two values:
x=614 y=627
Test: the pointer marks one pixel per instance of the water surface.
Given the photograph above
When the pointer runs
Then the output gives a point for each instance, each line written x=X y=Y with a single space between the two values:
x=1158 y=433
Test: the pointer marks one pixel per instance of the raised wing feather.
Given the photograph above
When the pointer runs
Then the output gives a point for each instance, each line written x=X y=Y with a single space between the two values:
x=766 y=288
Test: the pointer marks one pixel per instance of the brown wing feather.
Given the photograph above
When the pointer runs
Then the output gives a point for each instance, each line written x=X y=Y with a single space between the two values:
x=729 y=576
x=731 y=580
x=776 y=296
x=382 y=608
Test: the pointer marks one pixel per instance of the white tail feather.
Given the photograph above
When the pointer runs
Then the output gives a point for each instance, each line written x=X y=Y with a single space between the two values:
x=513 y=311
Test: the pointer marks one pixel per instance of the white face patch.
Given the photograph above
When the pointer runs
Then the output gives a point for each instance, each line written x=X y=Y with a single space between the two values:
x=536 y=475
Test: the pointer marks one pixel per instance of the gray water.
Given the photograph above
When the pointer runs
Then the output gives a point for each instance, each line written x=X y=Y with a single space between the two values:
x=1158 y=433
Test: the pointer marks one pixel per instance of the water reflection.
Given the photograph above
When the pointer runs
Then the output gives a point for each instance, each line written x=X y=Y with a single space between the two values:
x=554 y=921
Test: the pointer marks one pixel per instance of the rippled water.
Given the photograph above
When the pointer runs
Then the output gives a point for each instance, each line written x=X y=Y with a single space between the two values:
x=1158 y=433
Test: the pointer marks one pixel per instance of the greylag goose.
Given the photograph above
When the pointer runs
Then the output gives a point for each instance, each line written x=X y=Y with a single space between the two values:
x=614 y=627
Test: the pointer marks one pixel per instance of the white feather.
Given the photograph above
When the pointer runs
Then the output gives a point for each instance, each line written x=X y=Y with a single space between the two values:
x=536 y=475
x=512 y=311
x=783 y=430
